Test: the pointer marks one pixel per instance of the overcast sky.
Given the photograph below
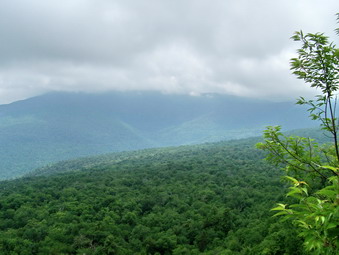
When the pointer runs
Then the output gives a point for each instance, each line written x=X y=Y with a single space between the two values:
x=237 y=47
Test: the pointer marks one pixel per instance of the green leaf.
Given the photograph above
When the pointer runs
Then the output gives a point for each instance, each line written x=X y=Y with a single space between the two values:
x=281 y=213
x=279 y=207
x=328 y=193
x=334 y=169
x=294 y=191
x=293 y=180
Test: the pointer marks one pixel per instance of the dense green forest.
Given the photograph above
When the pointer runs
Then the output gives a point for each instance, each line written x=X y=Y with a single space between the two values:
x=203 y=199
x=207 y=194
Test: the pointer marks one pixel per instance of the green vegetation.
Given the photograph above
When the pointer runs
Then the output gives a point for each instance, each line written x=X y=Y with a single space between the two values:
x=203 y=199
x=63 y=126
x=312 y=169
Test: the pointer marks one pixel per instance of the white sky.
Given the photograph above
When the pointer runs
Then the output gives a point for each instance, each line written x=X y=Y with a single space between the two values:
x=237 y=47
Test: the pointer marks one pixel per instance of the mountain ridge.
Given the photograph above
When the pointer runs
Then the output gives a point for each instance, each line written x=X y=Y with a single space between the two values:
x=61 y=126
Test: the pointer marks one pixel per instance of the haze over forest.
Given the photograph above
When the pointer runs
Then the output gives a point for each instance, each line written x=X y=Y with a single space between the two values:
x=135 y=127
x=199 y=66
x=60 y=126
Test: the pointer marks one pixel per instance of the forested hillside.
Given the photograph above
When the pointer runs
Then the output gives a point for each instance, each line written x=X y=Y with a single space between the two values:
x=169 y=128
x=203 y=199
x=61 y=126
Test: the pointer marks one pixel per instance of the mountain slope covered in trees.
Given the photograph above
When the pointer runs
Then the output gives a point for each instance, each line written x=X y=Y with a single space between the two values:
x=61 y=126
x=202 y=199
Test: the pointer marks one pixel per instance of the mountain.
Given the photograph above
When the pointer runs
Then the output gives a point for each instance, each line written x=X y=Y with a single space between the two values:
x=213 y=198
x=60 y=126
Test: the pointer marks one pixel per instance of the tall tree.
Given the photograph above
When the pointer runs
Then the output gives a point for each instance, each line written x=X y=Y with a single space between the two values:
x=312 y=169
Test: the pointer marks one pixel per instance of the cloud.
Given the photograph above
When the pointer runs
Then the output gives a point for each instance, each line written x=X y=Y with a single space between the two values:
x=174 y=46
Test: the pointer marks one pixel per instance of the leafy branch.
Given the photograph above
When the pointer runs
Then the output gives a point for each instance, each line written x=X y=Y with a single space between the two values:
x=312 y=168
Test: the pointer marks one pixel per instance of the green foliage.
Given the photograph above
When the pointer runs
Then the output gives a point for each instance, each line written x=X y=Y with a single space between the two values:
x=317 y=215
x=203 y=199
x=312 y=168
x=318 y=64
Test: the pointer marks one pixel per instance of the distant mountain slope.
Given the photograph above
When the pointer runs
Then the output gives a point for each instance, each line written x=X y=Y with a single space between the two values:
x=164 y=155
x=153 y=155
x=61 y=126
